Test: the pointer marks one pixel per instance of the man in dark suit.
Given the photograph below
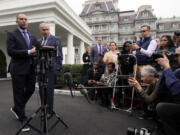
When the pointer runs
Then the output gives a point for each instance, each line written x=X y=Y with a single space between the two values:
x=97 y=50
x=50 y=40
x=20 y=47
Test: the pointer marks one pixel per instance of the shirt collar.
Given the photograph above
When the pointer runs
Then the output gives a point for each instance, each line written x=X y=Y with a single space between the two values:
x=47 y=37
x=21 y=30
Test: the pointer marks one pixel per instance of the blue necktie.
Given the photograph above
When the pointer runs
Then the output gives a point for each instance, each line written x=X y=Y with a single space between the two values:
x=26 y=38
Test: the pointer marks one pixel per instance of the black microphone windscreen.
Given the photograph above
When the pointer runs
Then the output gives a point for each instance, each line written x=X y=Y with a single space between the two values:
x=68 y=79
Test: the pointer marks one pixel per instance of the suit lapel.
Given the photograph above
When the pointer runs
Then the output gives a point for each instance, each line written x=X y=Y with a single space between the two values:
x=97 y=49
x=49 y=40
x=31 y=39
x=20 y=36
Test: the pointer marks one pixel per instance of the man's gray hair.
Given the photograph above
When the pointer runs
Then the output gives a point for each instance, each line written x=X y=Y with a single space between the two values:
x=149 y=71
x=44 y=23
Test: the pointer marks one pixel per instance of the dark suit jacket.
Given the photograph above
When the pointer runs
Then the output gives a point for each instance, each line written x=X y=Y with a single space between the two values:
x=55 y=41
x=94 y=56
x=17 y=49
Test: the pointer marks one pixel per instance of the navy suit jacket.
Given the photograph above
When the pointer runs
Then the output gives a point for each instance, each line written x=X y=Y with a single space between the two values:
x=94 y=55
x=56 y=42
x=17 y=49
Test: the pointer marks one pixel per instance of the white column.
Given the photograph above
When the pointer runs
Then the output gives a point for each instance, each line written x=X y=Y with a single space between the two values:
x=70 y=49
x=81 y=51
x=52 y=28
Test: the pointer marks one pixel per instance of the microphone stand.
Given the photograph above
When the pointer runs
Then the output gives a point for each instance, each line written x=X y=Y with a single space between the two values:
x=44 y=63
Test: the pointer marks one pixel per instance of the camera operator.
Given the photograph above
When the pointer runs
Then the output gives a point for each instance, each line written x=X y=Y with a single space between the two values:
x=166 y=47
x=51 y=72
x=145 y=47
x=126 y=61
x=169 y=112
x=94 y=74
x=149 y=76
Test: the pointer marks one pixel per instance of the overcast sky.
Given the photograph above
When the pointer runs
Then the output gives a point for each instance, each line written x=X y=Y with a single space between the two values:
x=162 y=8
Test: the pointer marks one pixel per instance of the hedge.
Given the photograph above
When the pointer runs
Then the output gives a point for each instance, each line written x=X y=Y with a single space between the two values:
x=3 y=65
x=75 y=70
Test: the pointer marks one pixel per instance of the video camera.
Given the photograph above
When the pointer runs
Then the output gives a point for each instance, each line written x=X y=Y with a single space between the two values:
x=159 y=54
x=142 y=131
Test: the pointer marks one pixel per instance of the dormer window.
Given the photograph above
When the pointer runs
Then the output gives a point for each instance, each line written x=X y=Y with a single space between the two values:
x=145 y=14
x=126 y=19
x=98 y=6
x=174 y=25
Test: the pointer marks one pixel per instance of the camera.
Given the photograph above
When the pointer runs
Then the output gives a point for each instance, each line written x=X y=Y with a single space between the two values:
x=142 y=131
x=159 y=54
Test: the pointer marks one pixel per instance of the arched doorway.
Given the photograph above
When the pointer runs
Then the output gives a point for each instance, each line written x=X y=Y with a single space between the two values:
x=3 y=65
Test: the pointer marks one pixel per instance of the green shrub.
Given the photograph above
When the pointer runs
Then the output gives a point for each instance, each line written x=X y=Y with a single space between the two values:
x=3 y=65
x=75 y=70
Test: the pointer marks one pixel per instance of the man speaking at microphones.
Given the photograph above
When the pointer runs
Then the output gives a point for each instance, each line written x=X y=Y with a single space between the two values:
x=57 y=57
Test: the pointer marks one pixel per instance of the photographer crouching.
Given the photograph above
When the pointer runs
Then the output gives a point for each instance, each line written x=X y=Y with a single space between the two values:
x=169 y=113
x=148 y=96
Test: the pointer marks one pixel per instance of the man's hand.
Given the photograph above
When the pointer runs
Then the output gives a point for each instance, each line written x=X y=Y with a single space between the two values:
x=33 y=51
x=163 y=62
x=135 y=47
x=133 y=82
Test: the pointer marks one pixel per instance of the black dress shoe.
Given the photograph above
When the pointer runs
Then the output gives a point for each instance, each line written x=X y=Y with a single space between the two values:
x=25 y=127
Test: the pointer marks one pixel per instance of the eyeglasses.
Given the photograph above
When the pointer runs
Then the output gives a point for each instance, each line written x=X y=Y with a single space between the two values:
x=143 y=31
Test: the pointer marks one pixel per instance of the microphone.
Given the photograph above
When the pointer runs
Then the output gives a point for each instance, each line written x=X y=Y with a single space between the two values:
x=69 y=81
x=57 y=52
x=84 y=92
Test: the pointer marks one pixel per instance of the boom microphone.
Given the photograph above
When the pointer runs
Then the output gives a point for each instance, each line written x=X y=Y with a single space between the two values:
x=69 y=81
x=84 y=92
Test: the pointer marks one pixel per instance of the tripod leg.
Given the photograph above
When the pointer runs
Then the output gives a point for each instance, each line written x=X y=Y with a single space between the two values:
x=45 y=123
x=58 y=117
x=29 y=120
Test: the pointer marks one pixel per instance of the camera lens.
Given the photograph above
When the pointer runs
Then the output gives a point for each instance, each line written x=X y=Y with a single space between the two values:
x=132 y=131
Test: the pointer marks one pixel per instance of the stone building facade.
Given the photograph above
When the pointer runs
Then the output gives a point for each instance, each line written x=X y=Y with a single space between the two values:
x=105 y=20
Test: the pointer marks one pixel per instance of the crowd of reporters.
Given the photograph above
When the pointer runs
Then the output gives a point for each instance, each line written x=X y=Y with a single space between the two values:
x=154 y=67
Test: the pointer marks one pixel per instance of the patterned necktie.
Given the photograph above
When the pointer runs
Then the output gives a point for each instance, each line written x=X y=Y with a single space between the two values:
x=100 y=49
x=26 y=38
x=44 y=41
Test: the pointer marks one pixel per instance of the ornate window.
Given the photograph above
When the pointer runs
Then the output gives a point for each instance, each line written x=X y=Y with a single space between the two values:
x=98 y=6
x=126 y=19
x=174 y=25
x=145 y=14
x=161 y=26
x=104 y=26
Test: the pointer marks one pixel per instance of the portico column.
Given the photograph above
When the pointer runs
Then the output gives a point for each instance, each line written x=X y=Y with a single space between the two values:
x=70 y=49
x=52 y=28
x=81 y=51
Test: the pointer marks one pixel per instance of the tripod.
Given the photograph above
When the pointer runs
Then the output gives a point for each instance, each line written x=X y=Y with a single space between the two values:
x=43 y=63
